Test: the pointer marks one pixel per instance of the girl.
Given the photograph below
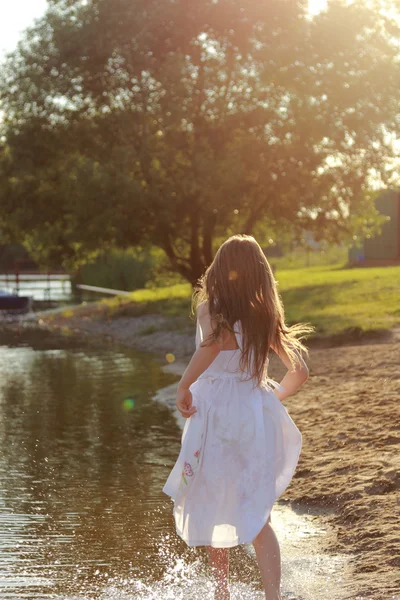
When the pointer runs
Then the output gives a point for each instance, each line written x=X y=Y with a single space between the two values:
x=239 y=445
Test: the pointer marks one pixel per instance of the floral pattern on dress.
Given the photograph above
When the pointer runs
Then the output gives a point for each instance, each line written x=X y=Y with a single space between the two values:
x=188 y=469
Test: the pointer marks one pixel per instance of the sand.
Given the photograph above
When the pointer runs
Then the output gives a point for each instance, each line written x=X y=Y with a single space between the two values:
x=349 y=414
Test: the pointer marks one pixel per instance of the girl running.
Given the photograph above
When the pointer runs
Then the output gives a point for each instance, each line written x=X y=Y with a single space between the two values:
x=240 y=447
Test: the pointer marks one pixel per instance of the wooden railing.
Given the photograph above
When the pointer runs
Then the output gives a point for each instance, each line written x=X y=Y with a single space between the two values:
x=102 y=290
x=14 y=281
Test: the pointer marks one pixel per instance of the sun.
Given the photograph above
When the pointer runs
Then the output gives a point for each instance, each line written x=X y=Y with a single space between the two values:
x=315 y=6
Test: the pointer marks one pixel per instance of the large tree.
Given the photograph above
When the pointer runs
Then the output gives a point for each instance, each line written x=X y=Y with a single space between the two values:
x=174 y=122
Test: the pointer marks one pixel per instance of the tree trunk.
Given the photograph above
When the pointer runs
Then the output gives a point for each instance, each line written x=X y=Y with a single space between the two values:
x=208 y=231
x=200 y=251
x=196 y=263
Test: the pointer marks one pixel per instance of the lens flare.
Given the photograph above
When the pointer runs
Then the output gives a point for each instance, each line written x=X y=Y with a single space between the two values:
x=170 y=357
x=233 y=275
x=128 y=404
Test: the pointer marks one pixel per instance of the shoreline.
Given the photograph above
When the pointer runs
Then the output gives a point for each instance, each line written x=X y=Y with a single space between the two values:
x=161 y=334
x=347 y=415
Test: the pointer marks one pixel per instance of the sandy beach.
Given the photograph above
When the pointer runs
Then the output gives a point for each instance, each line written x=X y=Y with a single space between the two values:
x=348 y=413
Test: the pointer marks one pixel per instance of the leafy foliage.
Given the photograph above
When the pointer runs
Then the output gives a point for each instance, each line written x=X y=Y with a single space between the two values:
x=130 y=121
x=130 y=269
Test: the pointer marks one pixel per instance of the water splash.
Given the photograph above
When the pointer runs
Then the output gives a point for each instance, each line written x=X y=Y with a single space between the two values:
x=183 y=580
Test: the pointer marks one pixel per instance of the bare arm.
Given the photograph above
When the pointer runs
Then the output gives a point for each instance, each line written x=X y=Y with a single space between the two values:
x=200 y=361
x=294 y=378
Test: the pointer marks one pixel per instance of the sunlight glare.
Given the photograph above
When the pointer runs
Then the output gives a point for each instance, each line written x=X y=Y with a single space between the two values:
x=316 y=6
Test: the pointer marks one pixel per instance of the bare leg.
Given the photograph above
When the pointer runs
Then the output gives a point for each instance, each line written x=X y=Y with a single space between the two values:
x=269 y=560
x=218 y=559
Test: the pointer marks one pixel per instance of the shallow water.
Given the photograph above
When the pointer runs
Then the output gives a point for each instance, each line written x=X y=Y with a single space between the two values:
x=84 y=453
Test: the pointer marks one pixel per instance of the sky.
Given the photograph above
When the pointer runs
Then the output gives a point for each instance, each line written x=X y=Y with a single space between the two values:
x=16 y=15
x=315 y=6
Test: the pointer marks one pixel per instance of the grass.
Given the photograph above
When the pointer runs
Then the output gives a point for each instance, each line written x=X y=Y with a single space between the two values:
x=171 y=301
x=334 y=299
x=302 y=258
x=338 y=300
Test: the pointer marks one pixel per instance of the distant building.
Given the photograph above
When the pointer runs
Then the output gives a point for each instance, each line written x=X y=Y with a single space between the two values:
x=384 y=248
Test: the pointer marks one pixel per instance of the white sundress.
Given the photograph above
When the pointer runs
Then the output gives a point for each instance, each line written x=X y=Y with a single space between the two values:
x=239 y=452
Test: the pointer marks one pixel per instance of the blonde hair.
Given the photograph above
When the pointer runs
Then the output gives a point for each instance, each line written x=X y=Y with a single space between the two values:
x=239 y=285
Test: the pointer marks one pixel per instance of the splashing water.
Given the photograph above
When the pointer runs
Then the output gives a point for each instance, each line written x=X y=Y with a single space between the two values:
x=185 y=578
x=182 y=582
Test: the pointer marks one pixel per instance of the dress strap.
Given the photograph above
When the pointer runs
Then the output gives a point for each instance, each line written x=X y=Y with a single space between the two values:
x=199 y=334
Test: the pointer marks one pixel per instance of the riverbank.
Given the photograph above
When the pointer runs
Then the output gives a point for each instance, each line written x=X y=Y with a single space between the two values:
x=343 y=304
x=348 y=413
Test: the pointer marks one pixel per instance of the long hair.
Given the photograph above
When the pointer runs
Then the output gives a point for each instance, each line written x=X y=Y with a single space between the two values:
x=239 y=285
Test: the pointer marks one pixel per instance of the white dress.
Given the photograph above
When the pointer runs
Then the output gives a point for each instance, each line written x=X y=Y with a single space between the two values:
x=239 y=452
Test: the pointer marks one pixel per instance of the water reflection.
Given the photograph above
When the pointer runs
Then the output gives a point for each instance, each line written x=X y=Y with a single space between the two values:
x=81 y=468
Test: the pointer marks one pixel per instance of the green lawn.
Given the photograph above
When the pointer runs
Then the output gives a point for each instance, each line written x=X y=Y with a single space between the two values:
x=334 y=299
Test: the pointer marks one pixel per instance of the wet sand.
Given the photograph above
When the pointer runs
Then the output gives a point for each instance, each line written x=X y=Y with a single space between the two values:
x=349 y=414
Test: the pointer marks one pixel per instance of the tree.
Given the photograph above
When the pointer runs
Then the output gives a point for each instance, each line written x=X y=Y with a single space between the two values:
x=175 y=122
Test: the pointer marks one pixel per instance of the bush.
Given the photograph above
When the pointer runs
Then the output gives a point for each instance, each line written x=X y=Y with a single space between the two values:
x=131 y=269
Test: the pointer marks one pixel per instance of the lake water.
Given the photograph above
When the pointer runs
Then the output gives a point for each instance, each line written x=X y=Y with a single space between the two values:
x=84 y=453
